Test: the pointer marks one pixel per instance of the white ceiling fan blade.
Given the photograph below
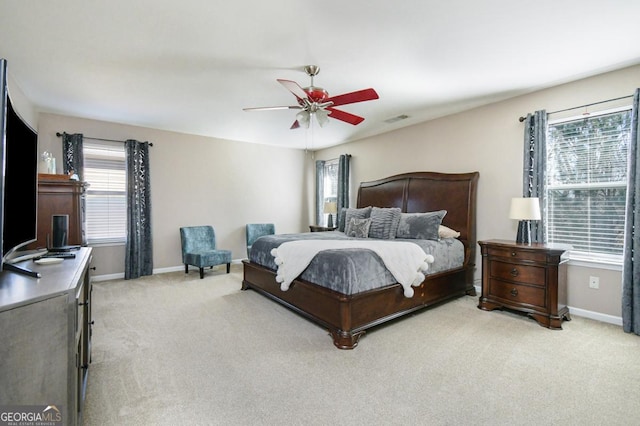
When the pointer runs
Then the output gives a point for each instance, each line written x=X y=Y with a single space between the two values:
x=273 y=108
x=294 y=88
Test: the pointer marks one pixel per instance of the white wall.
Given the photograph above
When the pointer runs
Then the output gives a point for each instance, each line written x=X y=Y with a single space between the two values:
x=489 y=139
x=199 y=181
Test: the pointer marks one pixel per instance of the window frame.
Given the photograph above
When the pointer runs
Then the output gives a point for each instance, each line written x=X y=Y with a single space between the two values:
x=114 y=178
x=585 y=258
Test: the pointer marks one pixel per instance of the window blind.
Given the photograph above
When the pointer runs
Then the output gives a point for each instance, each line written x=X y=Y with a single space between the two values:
x=106 y=203
x=586 y=183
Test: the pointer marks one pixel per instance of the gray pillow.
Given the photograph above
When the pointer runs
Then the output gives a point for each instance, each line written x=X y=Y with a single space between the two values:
x=384 y=222
x=358 y=228
x=420 y=226
x=347 y=214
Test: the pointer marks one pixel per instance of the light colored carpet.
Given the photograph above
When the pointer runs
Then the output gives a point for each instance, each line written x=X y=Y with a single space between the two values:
x=172 y=349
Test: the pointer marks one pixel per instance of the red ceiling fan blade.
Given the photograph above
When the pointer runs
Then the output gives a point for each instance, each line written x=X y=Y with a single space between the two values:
x=353 y=97
x=273 y=108
x=345 y=116
x=294 y=88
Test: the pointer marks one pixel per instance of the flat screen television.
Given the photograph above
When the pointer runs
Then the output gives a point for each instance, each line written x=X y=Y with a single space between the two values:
x=20 y=182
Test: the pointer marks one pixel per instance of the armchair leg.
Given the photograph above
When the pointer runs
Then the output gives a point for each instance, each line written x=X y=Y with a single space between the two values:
x=186 y=268
x=201 y=273
x=228 y=267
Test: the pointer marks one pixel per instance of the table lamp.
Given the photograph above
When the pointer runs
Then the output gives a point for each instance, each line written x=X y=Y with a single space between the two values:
x=330 y=207
x=525 y=210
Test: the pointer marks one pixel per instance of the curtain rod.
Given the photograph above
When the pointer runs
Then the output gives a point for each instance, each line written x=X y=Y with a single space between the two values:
x=58 y=134
x=521 y=119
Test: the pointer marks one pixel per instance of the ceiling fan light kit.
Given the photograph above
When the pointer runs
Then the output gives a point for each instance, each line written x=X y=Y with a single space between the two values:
x=315 y=101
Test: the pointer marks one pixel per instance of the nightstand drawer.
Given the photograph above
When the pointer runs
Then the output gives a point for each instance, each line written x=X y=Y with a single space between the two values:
x=518 y=254
x=526 y=274
x=518 y=294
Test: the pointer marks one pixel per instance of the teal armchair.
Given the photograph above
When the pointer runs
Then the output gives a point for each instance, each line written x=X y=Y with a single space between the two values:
x=199 y=249
x=257 y=230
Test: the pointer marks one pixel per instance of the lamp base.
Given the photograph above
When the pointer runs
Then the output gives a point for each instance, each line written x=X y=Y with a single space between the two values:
x=330 y=221
x=524 y=232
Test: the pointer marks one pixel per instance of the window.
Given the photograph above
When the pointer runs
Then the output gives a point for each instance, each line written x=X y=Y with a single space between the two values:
x=586 y=183
x=106 y=201
x=330 y=185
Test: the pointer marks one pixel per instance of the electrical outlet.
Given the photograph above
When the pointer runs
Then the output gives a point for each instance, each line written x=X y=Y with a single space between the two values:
x=594 y=282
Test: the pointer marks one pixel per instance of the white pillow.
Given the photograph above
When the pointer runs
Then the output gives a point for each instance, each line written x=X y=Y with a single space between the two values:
x=444 y=232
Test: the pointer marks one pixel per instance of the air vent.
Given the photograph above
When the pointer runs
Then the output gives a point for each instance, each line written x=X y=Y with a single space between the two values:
x=396 y=118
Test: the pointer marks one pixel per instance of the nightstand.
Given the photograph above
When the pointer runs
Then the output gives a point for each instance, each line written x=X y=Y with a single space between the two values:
x=314 y=228
x=526 y=278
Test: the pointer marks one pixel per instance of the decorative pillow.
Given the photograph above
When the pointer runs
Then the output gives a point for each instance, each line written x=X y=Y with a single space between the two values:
x=444 y=232
x=384 y=222
x=358 y=228
x=351 y=213
x=420 y=226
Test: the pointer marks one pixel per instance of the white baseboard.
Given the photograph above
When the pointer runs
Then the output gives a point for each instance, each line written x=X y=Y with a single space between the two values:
x=109 y=277
x=595 y=316
x=120 y=276
x=610 y=319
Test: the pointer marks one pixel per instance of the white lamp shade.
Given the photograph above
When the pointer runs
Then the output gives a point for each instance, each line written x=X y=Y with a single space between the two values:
x=525 y=208
x=330 y=207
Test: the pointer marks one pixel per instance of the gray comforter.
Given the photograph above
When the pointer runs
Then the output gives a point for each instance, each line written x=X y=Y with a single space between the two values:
x=351 y=271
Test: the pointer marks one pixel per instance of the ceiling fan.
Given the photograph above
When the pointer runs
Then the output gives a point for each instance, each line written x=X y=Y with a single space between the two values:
x=315 y=101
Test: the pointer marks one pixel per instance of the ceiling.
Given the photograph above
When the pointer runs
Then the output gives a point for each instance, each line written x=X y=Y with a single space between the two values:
x=191 y=66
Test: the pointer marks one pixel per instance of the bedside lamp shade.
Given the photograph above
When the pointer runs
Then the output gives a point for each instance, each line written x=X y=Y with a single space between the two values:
x=525 y=210
x=330 y=207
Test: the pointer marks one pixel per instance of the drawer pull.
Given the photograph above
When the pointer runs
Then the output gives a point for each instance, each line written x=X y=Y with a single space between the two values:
x=514 y=292
x=514 y=272
x=513 y=253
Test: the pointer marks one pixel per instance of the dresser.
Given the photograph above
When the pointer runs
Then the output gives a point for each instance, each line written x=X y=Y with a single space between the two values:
x=530 y=278
x=45 y=324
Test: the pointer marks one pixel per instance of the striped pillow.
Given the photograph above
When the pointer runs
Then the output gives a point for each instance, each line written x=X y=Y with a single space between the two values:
x=384 y=223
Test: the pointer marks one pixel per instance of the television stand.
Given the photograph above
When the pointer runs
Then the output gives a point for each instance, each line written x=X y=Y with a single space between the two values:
x=17 y=269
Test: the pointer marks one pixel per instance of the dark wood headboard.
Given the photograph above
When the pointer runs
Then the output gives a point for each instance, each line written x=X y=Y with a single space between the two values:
x=429 y=191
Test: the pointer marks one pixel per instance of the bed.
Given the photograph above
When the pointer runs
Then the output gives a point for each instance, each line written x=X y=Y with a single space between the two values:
x=347 y=315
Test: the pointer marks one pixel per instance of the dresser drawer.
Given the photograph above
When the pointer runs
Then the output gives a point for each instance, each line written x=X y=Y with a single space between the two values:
x=517 y=294
x=526 y=274
x=518 y=254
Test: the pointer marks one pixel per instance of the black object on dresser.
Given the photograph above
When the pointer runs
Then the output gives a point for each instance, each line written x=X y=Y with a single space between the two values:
x=530 y=278
x=45 y=324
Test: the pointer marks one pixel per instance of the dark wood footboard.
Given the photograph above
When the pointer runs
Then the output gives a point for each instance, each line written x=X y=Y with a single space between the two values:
x=347 y=317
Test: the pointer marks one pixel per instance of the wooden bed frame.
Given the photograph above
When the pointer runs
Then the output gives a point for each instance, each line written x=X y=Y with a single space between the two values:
x=347 y=317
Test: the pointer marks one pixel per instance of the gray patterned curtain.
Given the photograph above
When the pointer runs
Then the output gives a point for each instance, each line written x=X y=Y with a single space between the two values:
x=73 y=156
x=139 y=246
x=343 y=183
x=535 y=163
x=631 y=256
x=319 y=192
